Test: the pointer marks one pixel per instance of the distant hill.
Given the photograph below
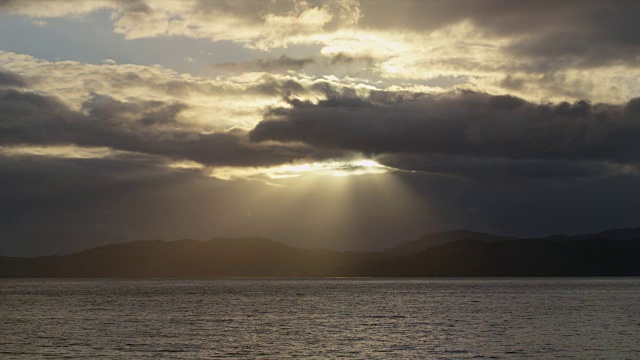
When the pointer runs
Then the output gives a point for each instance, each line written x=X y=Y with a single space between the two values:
x=617 y=234
x=594 y=257
x=222 y=257
x=614 y=235
x=430 y=240
x=453 y=253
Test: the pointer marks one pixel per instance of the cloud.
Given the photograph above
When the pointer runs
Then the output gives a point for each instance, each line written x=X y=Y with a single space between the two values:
x=336 y=64
x=9 y=79
x=258 y=24
x=533 y=28
x=150 y=110
x=413 y=42
x=155 y=111
x=460 y=125
x=282 y=63
x=213 y=104
x=139 y=127
x=591 y=35
x=509 y=171
x=40 y=23
x=55 y=8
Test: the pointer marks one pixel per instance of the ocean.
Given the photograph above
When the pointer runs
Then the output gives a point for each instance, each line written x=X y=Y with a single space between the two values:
x=444 y=318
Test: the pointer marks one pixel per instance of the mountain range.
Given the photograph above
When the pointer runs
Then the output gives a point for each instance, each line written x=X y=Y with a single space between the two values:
x=452 y=253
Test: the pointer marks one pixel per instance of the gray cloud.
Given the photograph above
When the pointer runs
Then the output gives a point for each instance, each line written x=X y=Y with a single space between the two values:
x=284 y=63
x=467 y=124
x=143 y=113
x=552 y=35
x=9 y=79
x=512 y=82
x=507 y=171
x=144 y=127
x=500 y=17
x=468 y=134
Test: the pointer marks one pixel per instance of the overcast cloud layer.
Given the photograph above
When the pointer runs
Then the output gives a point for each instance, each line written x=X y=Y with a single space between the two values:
x=520 y=118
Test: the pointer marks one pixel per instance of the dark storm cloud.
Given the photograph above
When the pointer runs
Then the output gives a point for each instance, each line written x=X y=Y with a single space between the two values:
x=9 y=79
x=468 y=124
x=145 y=127
x=505 y=171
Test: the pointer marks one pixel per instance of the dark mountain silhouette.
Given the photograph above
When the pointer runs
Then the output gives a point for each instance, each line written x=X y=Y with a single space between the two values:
x=592 y=257
x=616 y=234
x=430 y=240
x=221 y=257
x=454 y=253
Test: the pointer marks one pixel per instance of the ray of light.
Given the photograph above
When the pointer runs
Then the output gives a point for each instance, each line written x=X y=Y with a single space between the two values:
x=320 y=209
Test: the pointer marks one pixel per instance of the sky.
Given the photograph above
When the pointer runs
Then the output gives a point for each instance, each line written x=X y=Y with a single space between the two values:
x=342 y=124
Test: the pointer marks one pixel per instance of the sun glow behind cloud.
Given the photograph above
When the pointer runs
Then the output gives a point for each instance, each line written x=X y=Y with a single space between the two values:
x=330 y=208
x=327 y=168
x=333 y=168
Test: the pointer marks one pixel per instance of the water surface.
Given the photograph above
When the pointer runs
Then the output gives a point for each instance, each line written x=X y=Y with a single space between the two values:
x=321 y=318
